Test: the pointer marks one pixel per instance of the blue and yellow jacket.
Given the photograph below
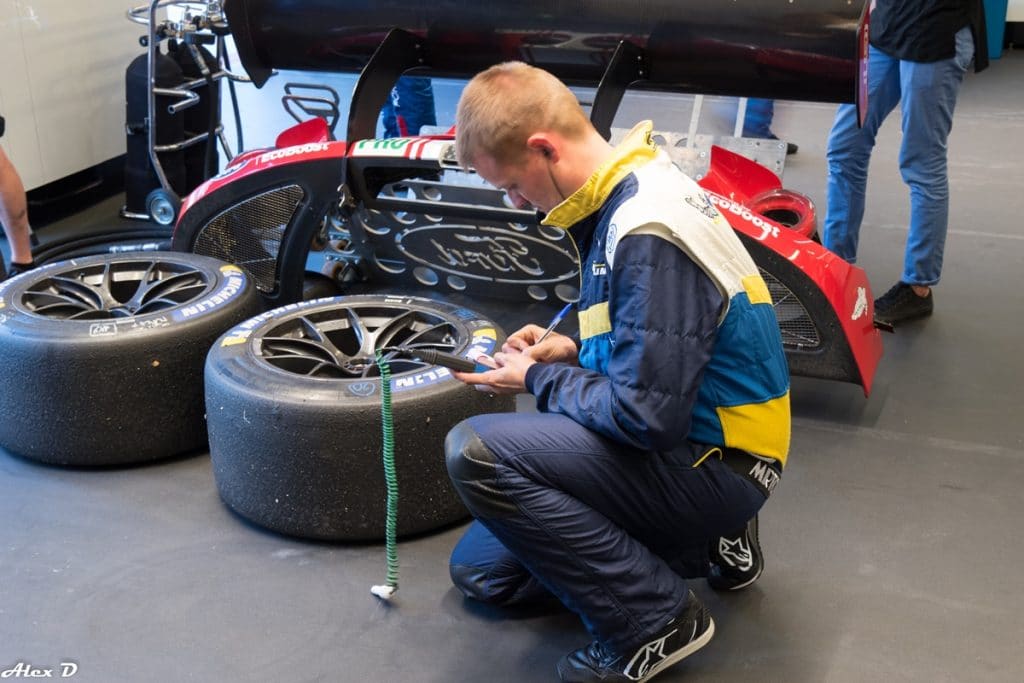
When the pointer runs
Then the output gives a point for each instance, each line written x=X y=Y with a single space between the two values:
x=678 y=334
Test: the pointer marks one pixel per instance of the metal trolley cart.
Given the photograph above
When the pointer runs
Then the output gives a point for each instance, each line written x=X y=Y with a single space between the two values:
x=197 y=24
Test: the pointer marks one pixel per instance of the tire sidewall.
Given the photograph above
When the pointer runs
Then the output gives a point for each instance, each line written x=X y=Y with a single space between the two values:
x=116 y=390
x=301 y=455
x=228 y=284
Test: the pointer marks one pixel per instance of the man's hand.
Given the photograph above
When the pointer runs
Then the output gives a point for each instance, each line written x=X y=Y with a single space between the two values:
x=557 y=348
x=507 y=377
x=518 y=353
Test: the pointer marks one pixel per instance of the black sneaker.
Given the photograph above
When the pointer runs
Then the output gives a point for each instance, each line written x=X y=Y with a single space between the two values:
x=736 y=559
x=791 y=147
x=901 y=304
x=684 y=635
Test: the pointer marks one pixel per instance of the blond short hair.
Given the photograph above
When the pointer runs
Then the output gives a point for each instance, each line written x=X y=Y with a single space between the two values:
x=503 y=106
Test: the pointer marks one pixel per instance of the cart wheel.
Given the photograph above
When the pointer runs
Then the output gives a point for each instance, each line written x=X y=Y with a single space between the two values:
x=162 y=206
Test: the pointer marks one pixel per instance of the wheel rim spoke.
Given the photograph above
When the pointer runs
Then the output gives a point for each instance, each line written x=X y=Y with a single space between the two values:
x=437 y=327
x=341 y=342
x=115 y=290
x=69 y=287
x=389 y=332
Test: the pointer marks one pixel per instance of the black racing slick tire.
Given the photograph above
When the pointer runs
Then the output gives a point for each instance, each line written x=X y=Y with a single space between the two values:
x=103 y=356
x=293 y=399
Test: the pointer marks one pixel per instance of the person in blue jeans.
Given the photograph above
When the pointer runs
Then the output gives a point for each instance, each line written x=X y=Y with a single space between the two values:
x=660 y=431
x=918 y=54
x=14 y=215
x=758 y=122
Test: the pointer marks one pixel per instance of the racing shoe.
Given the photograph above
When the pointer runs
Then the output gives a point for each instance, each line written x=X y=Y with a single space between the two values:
x=736 y=559
x=691 y=630
x=901 y=303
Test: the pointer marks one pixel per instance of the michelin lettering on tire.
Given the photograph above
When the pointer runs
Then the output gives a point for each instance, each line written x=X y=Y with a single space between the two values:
x=234 y=283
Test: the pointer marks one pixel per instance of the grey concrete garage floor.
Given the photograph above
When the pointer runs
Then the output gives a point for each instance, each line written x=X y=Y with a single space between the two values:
x=893 y=546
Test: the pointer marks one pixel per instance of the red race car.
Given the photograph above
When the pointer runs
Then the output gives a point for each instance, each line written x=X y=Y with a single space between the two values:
x=400 y=214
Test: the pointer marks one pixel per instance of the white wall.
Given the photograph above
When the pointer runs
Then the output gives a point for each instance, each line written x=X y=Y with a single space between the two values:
x=62 y=65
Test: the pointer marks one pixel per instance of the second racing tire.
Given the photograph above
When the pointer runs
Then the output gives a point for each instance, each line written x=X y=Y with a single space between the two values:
x=293 y=400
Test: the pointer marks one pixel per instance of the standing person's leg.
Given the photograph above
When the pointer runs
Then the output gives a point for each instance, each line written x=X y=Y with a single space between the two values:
x=416 y=103
x=410 y=106
x=929 y=98
x=848 y=154
x=389 y=115
x=594 y=521
x=929 y=92
x=14 y=215
x=758 y=122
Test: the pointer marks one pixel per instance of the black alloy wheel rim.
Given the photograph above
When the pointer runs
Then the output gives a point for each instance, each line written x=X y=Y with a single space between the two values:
x=341 y=342
x=113 y=290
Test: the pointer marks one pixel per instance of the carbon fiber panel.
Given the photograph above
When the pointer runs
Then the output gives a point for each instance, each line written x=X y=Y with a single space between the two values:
x=249 y=233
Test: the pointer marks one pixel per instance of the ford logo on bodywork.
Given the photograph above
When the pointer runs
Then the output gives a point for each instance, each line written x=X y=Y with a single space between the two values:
x=488 y=253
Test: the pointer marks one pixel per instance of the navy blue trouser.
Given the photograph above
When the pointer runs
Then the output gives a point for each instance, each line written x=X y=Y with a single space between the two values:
x=409 y=107
x=611 y=531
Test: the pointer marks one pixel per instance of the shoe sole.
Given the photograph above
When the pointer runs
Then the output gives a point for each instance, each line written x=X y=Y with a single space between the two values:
x=741 y=586
x=893 y=322
x=682 y=653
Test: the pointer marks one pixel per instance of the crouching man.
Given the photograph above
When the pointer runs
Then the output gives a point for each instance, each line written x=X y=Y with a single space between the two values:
x=659 y=432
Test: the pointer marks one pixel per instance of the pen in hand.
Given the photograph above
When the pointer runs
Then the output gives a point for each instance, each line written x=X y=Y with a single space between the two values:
x=554 y=322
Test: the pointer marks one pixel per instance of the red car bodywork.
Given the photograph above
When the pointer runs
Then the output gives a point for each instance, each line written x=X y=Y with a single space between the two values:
x=732 y=182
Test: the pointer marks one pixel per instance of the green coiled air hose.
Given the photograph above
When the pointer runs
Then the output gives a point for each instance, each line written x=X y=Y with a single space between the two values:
x=391 y=478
